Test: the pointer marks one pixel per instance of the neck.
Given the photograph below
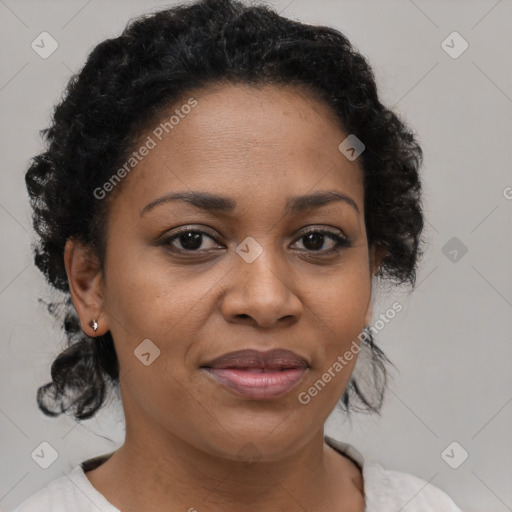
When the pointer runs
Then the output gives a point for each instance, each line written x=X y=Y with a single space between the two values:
x=141 y=475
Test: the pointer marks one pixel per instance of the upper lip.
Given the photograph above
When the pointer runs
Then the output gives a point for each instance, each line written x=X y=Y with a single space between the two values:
x=277 y=359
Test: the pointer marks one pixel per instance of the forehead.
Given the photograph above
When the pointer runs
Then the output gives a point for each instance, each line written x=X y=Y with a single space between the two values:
x=265 y=140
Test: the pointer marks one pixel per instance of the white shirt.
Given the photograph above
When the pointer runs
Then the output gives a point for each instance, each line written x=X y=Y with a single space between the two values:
x=385 y=491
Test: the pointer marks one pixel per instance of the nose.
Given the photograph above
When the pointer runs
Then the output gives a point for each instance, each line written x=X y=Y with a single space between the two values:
x=261 y=293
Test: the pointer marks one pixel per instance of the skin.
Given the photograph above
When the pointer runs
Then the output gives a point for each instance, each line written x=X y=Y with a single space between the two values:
x=184 y=431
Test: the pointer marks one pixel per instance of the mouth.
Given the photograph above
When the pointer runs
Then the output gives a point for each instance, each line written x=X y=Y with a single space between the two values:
x=258 y=375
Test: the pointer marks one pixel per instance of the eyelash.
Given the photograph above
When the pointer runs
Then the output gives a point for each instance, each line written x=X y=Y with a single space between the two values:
x=341 y=242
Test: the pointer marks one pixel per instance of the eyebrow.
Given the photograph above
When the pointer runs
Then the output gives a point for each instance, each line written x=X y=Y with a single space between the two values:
x=221 y=204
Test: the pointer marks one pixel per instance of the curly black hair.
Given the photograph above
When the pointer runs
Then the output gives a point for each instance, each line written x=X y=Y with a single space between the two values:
x=128 y=82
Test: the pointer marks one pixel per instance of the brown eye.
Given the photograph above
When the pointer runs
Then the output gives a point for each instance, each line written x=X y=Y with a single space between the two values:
x=315 y=241
x=189 y=240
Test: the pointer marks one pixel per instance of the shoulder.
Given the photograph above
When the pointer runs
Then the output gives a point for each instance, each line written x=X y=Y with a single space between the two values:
x=389 y=488
x=385 y=489
x=69 y=492
x=55 y=496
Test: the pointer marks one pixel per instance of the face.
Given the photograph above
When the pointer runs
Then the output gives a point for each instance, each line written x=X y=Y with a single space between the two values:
x=264 y=269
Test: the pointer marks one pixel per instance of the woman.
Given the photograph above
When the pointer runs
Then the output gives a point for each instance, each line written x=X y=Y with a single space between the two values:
x=220 y=189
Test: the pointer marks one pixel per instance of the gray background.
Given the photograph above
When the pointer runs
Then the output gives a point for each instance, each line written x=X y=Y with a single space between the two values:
x=451 y=342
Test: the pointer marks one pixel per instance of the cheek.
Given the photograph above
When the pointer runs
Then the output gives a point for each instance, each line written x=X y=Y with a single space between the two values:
x=339 y=305
x=148 y=296
x=148 y=300
x=343 y=296
x=339 y=337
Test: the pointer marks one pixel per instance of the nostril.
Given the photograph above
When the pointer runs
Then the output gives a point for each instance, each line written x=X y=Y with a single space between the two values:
x=245 y=315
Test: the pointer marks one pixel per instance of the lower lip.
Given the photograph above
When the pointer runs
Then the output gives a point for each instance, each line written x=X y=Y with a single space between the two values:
x=258 y=385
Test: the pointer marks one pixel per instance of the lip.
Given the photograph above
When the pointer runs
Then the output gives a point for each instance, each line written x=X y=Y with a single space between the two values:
x=258 y=375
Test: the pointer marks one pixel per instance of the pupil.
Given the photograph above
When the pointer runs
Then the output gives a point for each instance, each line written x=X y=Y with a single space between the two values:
x=314 y=237
x=191 y=240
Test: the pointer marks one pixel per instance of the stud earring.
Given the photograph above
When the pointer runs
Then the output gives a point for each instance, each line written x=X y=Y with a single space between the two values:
x=94 y=325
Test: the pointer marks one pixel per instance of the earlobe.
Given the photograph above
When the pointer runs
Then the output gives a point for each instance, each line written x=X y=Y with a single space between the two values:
x=86 y=286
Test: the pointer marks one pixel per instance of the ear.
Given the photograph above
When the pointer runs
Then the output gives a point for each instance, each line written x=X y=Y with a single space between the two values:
x=376 y=257
x=369 y=311
x=86 y=286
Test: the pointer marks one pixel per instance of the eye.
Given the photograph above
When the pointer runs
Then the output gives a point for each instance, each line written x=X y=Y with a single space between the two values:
x=190 y=240
x=315 y=240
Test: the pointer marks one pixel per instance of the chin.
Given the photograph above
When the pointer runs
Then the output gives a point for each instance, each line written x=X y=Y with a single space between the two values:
x=255 y=445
